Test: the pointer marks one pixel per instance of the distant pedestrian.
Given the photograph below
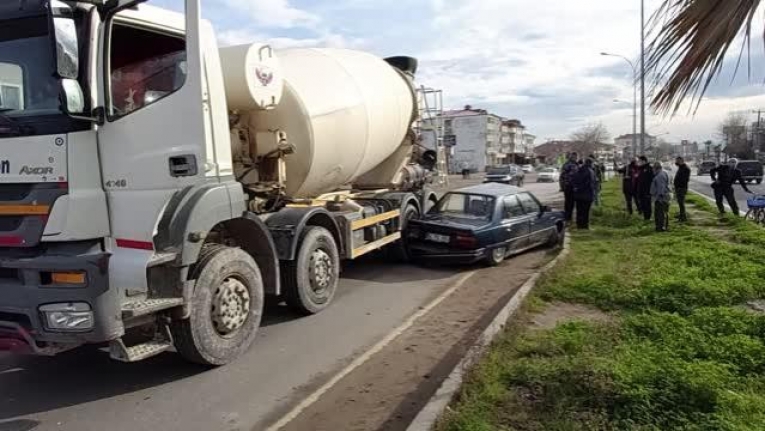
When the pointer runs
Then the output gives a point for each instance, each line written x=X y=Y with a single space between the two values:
x=465 y=168
x=566 y=177
x=599 y=171
x=681 y=187
x=723 y=179
x=584 y=186
x=660 y=195
x=629 y=182
x=644 y=181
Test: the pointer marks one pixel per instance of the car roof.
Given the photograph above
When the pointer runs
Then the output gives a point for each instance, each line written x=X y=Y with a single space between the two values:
x=490 y=189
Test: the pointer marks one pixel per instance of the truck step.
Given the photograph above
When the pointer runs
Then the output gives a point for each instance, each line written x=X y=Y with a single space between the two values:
x=162 y=341
x=161 y=258
x=149 y=306
x=139 y=352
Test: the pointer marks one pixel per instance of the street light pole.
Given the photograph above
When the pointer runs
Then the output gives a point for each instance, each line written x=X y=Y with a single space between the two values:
x=642 y=76
x=634 y=98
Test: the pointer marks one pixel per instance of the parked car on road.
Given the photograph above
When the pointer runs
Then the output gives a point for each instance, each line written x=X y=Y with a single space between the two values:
x=548 y=175
x=527 y=169
x=506 y=174
x=705 y=167
x=487 y=222
x=751 y=170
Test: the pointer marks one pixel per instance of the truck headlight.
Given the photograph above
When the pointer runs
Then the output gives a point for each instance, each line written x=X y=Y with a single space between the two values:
x=70 y=316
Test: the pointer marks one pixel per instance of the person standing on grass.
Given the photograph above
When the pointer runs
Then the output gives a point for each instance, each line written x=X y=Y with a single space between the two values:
x=629 y=181
x=644 y=181
x=584 y=187
x=660 y=196
x=566 y=176
x=681 y=187
x=598 y=169
x=723 y=179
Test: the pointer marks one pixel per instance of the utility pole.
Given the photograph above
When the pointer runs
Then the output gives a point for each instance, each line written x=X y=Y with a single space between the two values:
x=642 y=76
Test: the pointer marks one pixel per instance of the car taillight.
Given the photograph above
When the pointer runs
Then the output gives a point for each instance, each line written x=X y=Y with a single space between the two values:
x=464 y=240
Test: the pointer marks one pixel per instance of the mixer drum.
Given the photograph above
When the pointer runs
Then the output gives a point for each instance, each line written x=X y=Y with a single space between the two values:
x=344 y=111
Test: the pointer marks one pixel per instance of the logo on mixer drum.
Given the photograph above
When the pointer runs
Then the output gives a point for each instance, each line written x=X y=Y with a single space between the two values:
x=264 y=76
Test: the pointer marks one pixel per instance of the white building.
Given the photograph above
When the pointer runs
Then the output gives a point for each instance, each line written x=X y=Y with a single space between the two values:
x=623 y=144
x=481 y=139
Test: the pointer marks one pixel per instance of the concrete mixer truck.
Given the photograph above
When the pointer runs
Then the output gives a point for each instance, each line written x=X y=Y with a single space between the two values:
x=156 y=189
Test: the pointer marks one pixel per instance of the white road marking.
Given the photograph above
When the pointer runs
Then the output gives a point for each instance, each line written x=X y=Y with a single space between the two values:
x=292 y=414
x=11 y=370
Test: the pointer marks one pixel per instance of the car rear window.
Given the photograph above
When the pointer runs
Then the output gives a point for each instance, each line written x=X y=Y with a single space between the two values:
x=500 y=171
x=466 y=206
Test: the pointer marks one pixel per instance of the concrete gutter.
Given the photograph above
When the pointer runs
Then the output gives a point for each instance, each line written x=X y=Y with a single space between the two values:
x=427 y=417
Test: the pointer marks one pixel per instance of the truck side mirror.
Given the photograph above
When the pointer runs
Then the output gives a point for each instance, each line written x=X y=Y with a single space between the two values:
x=73 y=100
x=65 y=36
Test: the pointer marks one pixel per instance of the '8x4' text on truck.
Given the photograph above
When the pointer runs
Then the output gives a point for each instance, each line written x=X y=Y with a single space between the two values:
x=159 y=188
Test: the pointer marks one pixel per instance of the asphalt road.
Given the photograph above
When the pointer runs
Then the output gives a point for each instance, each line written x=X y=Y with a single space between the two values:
x=84 y=390
x=701 y=184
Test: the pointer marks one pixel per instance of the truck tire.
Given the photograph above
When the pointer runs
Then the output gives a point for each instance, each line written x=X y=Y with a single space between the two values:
x=759 y=180
x=399 y=252
x=310 y=281
x=226 y=307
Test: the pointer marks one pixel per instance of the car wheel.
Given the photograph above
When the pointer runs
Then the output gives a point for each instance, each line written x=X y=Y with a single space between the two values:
x=226 y=307
x=558 y=237
x=496 y=256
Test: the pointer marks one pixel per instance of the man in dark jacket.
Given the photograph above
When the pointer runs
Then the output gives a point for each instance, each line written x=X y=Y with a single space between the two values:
x=629 y=178
x=723 y=178
x=644 y=180
x=681 y=186
x=566 y=176
x=584 y=187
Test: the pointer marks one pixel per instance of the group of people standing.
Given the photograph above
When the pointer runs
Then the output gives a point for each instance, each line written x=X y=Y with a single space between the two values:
x=648 y=188
x=580 y=181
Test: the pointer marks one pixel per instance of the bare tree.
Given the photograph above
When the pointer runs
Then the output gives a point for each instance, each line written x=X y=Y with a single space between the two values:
x=734 y=132
x=589 y=138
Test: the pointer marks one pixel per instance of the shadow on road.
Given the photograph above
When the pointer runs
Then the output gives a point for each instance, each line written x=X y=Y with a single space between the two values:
x=33 y=385
x=19 y=425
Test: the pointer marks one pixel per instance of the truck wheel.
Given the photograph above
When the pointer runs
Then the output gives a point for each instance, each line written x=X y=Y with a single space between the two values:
x=226 y=307
x=399 y=252
x=759 y=180
x=310 y=281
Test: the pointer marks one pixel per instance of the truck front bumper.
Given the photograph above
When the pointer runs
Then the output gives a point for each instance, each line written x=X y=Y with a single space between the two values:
x=28 y=298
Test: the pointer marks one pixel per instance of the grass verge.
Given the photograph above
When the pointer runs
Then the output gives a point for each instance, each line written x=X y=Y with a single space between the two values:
x=680 y=354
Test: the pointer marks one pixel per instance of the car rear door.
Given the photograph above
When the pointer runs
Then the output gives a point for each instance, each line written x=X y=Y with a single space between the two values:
x=513 y=230
x=539 y=227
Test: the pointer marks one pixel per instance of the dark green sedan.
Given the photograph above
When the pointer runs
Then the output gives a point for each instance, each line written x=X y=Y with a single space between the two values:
x=488 y=222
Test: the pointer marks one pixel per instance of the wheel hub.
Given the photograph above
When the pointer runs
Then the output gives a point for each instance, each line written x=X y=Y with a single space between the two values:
x=499 y=253
x=321 y=270
x=230 y=306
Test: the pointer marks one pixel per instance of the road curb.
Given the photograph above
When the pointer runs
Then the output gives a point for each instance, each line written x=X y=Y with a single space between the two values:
x=429 y=414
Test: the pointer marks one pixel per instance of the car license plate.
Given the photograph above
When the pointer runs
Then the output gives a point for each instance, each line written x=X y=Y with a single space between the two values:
x=437 y=237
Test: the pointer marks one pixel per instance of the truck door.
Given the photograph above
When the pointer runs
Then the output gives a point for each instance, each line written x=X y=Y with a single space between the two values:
x=154 y=140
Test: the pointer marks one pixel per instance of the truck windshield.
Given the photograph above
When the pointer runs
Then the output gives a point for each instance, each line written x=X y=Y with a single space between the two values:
x=29 y=88
x=27 y=83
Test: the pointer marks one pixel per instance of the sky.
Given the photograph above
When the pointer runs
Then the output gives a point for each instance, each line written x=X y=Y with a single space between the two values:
x=534 y=60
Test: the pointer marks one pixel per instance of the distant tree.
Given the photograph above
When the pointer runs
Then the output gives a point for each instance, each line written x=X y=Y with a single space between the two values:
x=589 y=138
x=733 y=131
x=662 y=150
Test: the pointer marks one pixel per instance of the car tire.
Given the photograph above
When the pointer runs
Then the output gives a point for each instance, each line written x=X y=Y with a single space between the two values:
x=308 y=288
x=225 y=277
x=496 y=256
x=558 y=237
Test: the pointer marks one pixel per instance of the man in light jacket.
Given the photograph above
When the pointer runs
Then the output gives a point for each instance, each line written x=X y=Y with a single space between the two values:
x=660 y=195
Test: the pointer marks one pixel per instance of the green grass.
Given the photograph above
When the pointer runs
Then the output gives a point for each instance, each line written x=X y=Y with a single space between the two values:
x=680 y=354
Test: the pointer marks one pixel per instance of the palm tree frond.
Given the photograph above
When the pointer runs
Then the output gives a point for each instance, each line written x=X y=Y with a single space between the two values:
x=691 y=40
